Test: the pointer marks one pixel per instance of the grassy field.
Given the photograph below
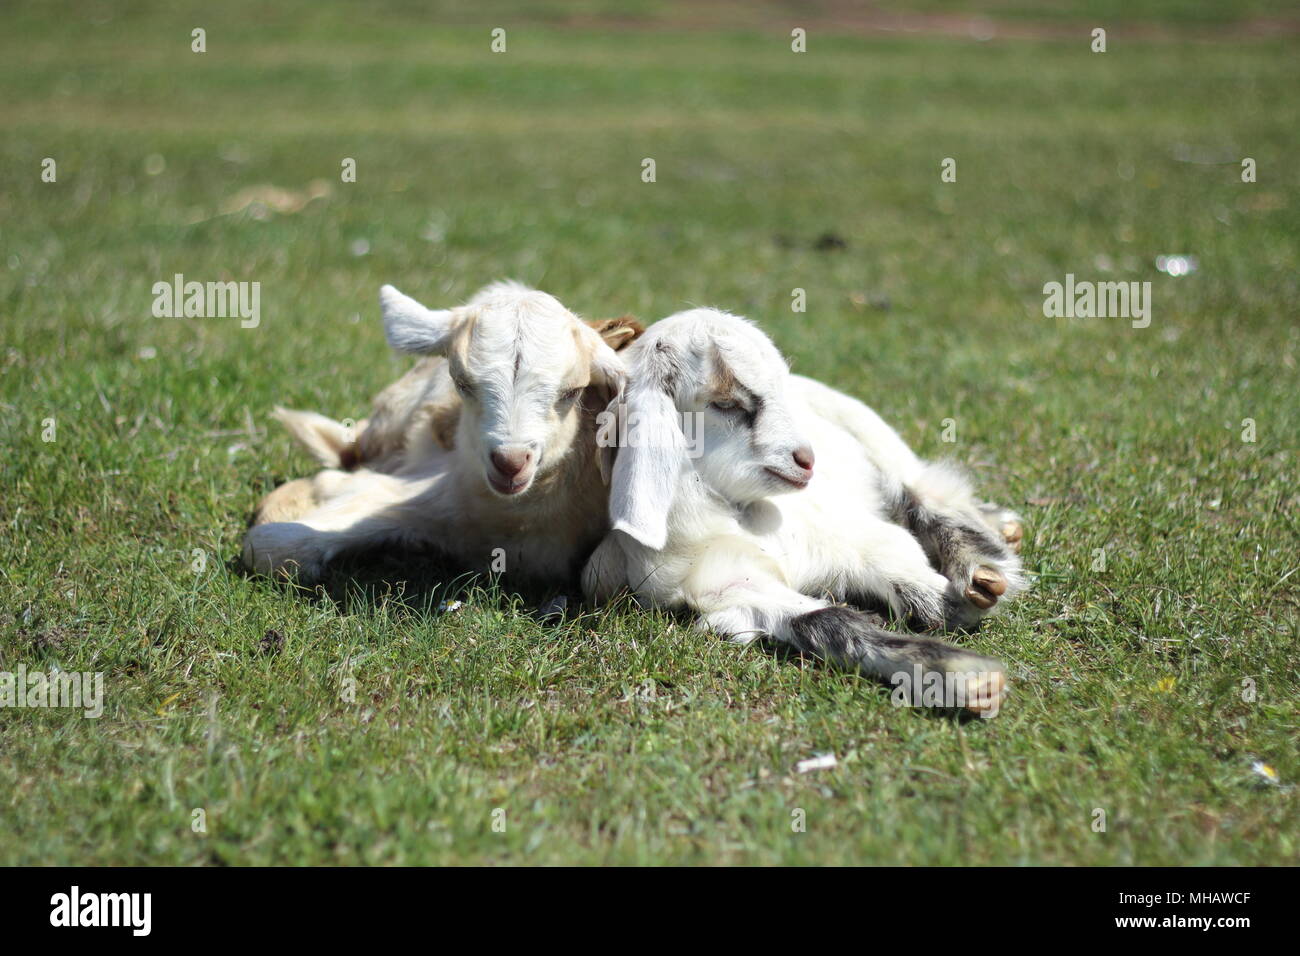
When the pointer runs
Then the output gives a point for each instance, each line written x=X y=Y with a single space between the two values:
x=1164 y=547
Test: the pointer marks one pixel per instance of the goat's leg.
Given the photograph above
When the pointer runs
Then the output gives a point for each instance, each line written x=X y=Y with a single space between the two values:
x=289 y=501
x=371 y=510
x=852 y=638
x=892 y=567
x=975 y=558
x=1005 y=522
x=944 y=489
x=936 y=489
x=742 y=600
x=298 y=497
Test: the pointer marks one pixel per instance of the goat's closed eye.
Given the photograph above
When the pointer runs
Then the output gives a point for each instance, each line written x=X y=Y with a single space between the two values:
x=462 y=385
x=725 y=405
x=568 y=395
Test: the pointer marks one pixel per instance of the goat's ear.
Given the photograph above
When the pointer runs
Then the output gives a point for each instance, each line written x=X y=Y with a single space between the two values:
x=617 y=333
x=608 y=428
x=648 y=467
x=609 y=372
x=608 y=382
x=411 y=327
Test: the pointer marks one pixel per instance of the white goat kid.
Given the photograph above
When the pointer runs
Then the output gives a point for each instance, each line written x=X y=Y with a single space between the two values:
x=722 y=534
x=965 y=538
x=518 y=481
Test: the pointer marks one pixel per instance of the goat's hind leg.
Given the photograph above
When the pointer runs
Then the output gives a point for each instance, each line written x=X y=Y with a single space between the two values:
x=298 y=497
x=852 y=638
x=744 y=600
x=962 y=538
x=1005 y=522
x=979 y=565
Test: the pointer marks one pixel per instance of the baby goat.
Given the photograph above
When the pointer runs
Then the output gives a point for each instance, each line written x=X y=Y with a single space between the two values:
x=745 y=535
x=488 y=456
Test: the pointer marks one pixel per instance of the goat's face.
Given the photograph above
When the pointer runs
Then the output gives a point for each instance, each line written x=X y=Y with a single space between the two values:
x=717 y=378
x=521 y=362
x=751 y=447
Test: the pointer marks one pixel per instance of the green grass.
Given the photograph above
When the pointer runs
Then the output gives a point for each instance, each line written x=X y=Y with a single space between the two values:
x=623 y=737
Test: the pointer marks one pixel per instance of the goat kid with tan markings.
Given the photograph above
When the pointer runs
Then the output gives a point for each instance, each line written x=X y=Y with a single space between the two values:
x=486 y=449
x=801 y=499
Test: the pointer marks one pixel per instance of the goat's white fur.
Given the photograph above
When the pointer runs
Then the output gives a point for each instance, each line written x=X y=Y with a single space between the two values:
x=534 y=376
x=324 y=438
x=742 y=546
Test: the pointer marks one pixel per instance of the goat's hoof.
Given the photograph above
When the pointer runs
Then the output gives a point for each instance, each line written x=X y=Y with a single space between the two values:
x=984 y=693
x=1013 y=532
x=985 y=587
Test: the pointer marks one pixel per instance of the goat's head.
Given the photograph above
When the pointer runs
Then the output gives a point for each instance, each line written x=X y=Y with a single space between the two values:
x=717 y=378
x=521 y=362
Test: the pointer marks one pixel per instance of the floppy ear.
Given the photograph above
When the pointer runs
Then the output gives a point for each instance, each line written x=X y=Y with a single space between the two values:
x=411 y=327
x=648 y=467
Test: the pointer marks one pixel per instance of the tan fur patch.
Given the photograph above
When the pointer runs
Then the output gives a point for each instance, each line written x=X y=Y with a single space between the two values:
x=459 y=346
x=443 y=419
x=290 y=501
x=618 y=333
x=722 y=383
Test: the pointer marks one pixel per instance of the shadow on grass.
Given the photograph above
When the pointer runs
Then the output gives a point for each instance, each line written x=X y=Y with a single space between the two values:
x=426 y=584
x=421 y=582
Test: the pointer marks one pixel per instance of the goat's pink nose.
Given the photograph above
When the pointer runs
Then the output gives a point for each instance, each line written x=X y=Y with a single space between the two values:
x=803 y=457
x=511 y=461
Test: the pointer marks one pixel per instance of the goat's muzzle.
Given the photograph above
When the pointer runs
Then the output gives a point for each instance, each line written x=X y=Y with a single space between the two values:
x=512 y=469
x=801 y=473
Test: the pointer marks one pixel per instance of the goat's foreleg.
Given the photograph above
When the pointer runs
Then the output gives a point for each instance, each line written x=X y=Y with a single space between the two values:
x=605 y=573
x=371 y=509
